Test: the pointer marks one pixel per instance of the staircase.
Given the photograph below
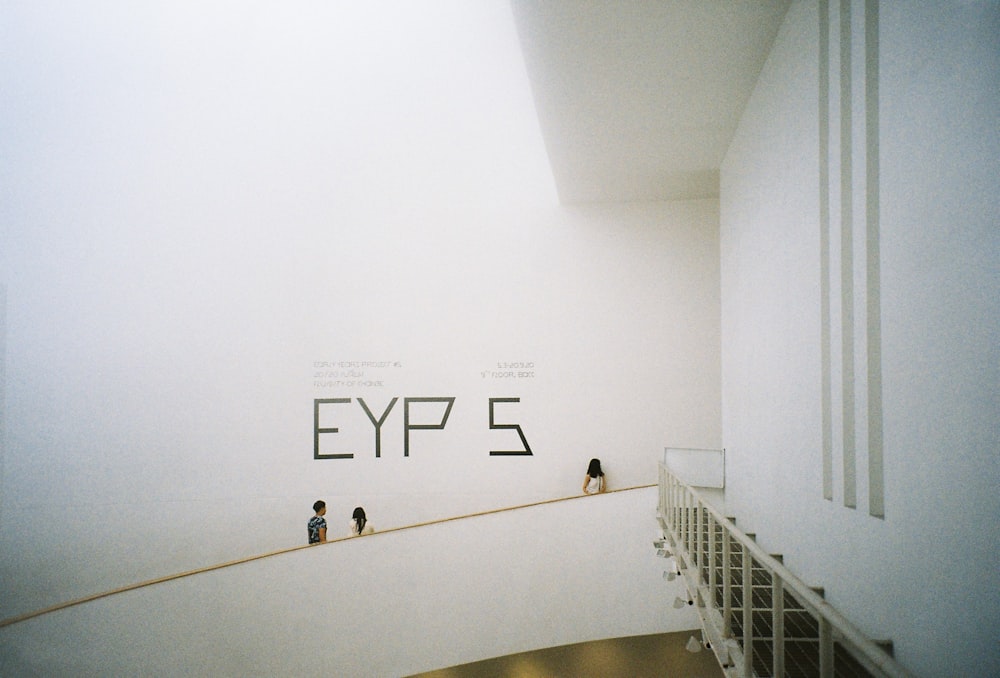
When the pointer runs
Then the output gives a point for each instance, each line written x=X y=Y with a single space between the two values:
x=758 y=618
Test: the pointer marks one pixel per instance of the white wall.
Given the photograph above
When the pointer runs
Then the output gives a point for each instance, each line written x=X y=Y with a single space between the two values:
x=386 y=605
x=203 y=205
x=922 y=576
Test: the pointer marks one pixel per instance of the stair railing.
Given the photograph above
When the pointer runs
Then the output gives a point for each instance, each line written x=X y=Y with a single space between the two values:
x=758 y=618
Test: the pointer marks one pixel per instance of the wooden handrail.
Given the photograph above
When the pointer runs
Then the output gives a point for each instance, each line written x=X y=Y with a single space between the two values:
x=249 y=559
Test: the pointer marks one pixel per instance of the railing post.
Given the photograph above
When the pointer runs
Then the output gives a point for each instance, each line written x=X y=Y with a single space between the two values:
x=698 y=540
x=659 y=491
x=712 y=579
x=683 y=518
x=662 y=508
x=778 y=622
x=747 y=613
x=690 y=525
x=825 y=648
x=674 y=501
x=727 y=586
x=677 y=506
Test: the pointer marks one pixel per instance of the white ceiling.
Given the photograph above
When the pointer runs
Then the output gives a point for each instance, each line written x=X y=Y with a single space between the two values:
x=639 y=100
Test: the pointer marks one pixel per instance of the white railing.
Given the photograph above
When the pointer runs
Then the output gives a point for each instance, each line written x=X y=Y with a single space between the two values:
x=774 y=625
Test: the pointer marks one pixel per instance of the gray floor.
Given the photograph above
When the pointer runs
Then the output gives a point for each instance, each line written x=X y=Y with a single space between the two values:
x=659 y=656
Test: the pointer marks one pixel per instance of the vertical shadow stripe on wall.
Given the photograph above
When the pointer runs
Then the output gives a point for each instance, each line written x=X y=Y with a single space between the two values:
x=856 y=372
x=3 y=390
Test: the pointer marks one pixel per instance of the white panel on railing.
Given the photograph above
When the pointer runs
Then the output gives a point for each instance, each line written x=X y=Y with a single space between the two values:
x=697 y=467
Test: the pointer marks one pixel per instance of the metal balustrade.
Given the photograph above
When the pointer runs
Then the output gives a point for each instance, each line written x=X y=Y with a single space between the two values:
x=757 y=617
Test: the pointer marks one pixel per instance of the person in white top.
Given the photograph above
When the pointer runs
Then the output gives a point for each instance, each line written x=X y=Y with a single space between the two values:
x=360 y=524
x=593 y=482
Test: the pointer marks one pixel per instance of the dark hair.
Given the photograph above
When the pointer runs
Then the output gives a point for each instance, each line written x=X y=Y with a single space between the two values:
x=594 y=470
x=318 y=505
x=359 y=519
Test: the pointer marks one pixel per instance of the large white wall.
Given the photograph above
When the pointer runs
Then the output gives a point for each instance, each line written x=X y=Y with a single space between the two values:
x=924 y=575
x=206 y=210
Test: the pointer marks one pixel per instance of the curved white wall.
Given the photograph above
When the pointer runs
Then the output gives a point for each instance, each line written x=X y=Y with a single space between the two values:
x=386 y=605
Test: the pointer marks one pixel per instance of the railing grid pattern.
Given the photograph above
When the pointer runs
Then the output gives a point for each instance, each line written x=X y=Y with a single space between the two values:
x=760 y=620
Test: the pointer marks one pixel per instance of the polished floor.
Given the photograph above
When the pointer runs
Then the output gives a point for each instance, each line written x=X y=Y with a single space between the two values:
x=659 y=655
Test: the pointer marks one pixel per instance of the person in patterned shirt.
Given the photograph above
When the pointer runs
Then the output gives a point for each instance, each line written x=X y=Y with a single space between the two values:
x=317 y=524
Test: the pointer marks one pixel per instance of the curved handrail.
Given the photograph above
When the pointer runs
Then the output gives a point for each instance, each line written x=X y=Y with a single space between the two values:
x=249 y=559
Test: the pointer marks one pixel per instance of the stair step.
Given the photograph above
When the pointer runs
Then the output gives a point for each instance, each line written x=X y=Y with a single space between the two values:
x=885 y=645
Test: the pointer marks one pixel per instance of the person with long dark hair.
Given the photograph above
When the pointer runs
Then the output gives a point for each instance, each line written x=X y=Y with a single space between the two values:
x=360 y=524
x=593 y=482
